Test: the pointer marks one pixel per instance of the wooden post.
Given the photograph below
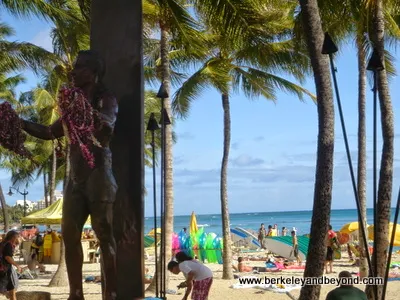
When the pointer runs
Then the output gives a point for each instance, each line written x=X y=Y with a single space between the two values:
x=116 y=33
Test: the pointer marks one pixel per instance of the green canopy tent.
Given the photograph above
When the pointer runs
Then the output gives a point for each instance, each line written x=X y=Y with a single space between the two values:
x=51 y=215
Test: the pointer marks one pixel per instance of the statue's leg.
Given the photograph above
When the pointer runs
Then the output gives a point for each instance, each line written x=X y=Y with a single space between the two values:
x=75 y=214
x=101 y=190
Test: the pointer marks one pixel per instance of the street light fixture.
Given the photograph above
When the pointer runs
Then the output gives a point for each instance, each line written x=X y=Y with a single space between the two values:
x=24 y=193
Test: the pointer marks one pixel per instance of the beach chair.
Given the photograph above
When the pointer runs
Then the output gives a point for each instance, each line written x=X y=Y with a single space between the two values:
x=24 y=255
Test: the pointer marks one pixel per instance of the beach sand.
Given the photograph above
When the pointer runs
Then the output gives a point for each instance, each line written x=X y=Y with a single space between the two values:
x=221 y=289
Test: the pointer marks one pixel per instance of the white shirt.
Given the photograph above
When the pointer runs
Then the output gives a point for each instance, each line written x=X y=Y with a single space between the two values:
x=199 y=270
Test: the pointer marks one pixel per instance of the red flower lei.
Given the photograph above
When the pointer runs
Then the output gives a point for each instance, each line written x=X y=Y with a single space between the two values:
x=11 y=136
x=77 y=116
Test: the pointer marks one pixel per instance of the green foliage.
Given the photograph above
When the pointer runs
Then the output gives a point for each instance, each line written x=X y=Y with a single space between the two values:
x=16 y=213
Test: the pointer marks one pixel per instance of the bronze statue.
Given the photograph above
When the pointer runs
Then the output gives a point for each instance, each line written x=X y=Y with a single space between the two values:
x=89 y=190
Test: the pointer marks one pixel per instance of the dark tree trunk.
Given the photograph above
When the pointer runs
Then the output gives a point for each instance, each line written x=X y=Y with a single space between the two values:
x=324 y=169
x=116 y=33
x=362 y=154
x=227 y=272
x=386 y=170
x=4 y=210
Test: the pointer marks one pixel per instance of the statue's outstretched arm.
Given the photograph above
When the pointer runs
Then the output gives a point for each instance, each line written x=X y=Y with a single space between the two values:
x=43 y=132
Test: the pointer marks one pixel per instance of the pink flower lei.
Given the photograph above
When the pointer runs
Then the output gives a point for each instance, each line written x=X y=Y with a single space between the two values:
x=77 y=116
x=11 y=135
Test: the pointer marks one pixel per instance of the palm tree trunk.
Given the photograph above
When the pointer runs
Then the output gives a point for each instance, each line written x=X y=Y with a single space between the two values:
x=227 y=272
x=324 y=169
x=168 y=193
x=60 y=278
x=52 y=179
x=362 y=154
x=46 y=189
x=4 y=210
x=386 y=170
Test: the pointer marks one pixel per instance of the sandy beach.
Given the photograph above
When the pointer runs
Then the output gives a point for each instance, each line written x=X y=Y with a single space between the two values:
x=221 y=289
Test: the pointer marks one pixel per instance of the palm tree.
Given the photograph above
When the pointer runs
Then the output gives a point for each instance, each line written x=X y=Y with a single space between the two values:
x=15 y=56
x=249 y=67
x=386 y=169
x=324 y=170
x=173 y=22
x=7 y=93
x=47 y=9
x=4 y=210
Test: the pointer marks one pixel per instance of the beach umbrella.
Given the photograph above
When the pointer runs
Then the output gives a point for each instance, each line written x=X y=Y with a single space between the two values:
x=193 y=224
x=349 y=227
x=153 y=232
x=396 y=237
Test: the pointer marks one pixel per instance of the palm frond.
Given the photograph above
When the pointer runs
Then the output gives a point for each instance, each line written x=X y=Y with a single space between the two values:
x=215 y=72
x=15 y=56
x=255 y=83
x=37 y=8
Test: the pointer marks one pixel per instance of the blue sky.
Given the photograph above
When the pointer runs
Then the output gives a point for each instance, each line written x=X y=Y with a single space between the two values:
x=273 y=152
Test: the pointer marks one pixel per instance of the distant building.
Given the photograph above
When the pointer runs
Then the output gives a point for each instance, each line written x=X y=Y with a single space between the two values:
x=58 y=194
x=41 y=204
x=29 y=204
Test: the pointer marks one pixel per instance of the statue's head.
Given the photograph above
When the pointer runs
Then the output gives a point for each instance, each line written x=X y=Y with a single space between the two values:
x=89 y=69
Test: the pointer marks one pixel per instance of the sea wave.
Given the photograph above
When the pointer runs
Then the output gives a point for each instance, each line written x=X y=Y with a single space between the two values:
x=203 y=225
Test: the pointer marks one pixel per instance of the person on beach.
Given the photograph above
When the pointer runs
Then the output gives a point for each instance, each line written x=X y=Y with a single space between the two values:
x=242 y=267
x=295 y=247
x=275 y=230
x=269 y=232
x=330 y=244
x=9 y=278
x=346 y=290
x=37 y=243
x=199 y=278
x=33 y=264
x=261 y=235
x=284 y=231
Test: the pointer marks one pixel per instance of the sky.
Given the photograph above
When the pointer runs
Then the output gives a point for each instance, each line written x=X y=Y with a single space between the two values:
x=273 y=145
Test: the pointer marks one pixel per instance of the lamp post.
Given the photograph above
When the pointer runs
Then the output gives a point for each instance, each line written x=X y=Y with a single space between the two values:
x=375 y=65
x=165 y=120
x=24 y=193
x=152 y=126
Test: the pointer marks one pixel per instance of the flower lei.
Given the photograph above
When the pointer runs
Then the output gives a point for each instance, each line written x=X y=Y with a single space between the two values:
x=77 y=116
x=11 y=135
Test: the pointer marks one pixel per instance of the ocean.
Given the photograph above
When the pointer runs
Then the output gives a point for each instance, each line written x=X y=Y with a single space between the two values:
x=301 y=220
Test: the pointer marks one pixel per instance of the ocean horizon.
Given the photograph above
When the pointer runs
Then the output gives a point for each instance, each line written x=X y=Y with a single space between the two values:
x=301 y=220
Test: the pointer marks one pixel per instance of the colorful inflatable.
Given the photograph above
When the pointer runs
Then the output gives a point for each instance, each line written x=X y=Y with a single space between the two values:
x=207 y=247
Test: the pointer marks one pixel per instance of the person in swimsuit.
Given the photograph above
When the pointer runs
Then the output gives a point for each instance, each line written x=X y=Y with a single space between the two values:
x=330 y=243
x=295 y=247
x=261 y=235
